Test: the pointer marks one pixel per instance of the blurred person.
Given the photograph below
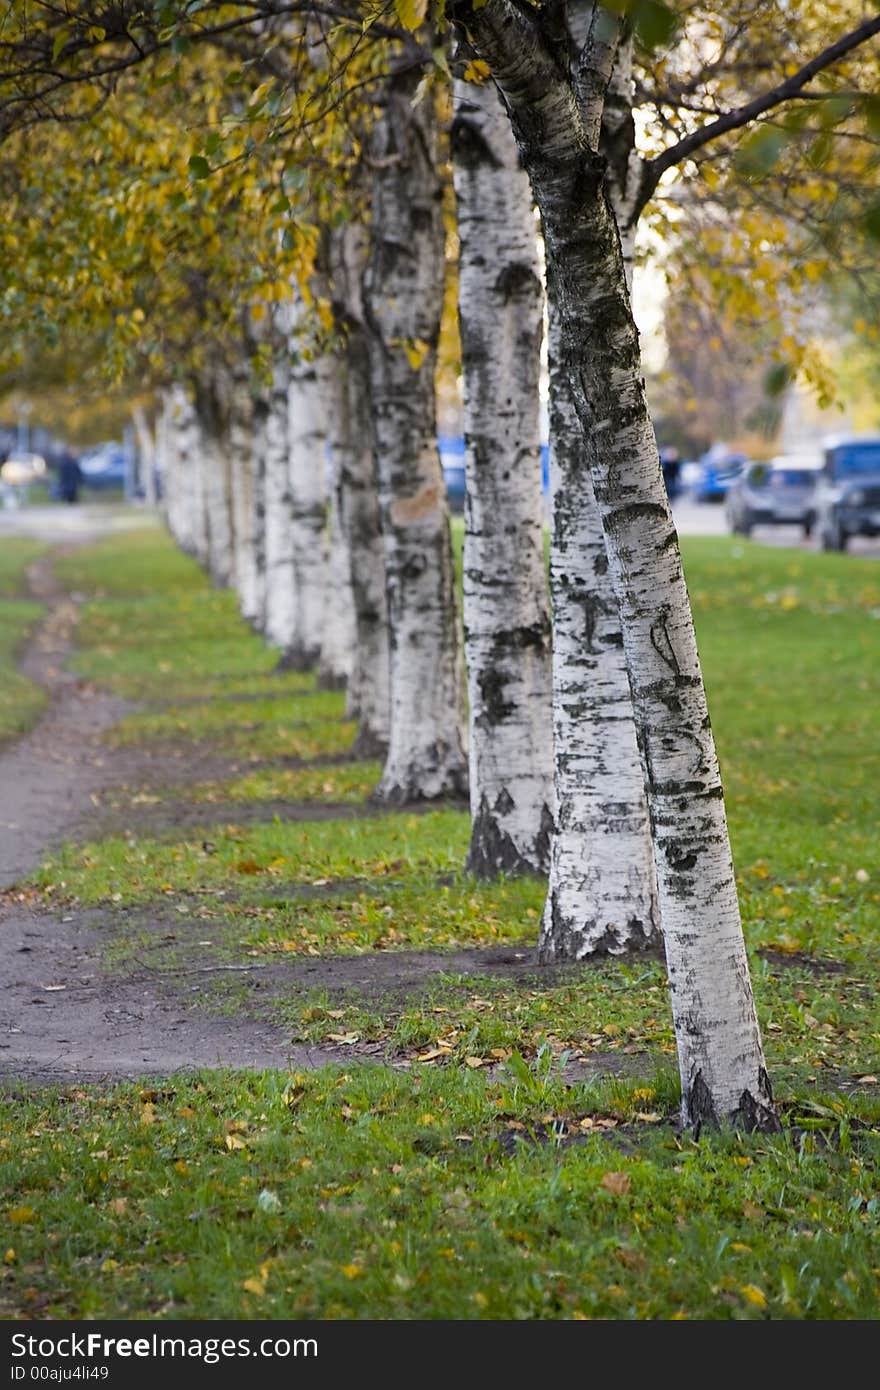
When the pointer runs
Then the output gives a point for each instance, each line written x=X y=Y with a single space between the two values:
x=69 y=476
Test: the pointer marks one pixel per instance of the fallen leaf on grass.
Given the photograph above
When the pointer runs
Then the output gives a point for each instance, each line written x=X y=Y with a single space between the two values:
x=20 y=1216
x=754 y=1295
x=616 y=1183
x=234 y=1142
x=346 y=1038
x=352 y=1271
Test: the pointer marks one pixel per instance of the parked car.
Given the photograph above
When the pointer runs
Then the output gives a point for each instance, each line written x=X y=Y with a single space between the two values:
x=778 y=493
x=104 y=467
x=848 y=492
x=21 y=469
x=719 y=468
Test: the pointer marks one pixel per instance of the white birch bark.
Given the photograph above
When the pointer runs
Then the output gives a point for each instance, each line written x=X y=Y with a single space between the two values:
x=280 y=624
x=601 y=896
x=721 y=1059
x=338 y=619
x=198 y=489
x=182 y=443
x=368 y=698
x=403 y=297
x=602 y=892
x=146 y=452
x=306 y=437
x=506 y=608
x=211 y=403
x=244 y=511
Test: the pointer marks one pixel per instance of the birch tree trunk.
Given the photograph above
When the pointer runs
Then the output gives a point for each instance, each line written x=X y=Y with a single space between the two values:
x=403 y=297
x=354 y=464
x=182 y=442
x=602 y=894
x=338 y=619
x=280 y=619
x=306 y=436
x=601 y=897
x=506 y=610
x=243 y=464
x=720 y=1054
x=147 y=448
x=212 y=412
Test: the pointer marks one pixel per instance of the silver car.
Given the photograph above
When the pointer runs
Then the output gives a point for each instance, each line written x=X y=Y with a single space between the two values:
x=778 y=493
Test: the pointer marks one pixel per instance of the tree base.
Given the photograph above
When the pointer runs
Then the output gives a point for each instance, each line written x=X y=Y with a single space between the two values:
x=493 y=850
x=753 y=1114
x=297 y=658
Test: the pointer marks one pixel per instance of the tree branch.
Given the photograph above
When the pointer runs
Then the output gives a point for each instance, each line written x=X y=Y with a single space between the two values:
x=743 y=115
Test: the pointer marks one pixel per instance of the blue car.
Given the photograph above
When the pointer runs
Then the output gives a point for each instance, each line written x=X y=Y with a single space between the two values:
x=104 y=467
x=719 y=470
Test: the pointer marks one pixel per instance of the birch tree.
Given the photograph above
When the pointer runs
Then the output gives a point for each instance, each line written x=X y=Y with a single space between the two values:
x=403 y=302
x=506 y=610
x=353 y=454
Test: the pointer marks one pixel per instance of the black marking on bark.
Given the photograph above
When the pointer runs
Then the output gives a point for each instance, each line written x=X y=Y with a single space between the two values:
x=328 y=681
x=660 y=632
x=297 y=658
x=504 y=802
x=470 y=149
x=494 y=707
x=514 y=280
x=492 y=850
x=699 y=1106
x=600 y=564
x=369 y=744
x=592 y=610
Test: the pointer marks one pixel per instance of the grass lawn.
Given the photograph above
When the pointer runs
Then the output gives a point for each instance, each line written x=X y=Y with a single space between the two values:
x=21 y=700
x=469 y=1176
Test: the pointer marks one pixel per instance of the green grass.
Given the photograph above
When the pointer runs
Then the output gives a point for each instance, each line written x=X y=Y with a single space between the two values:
x=365 y=1193
x=349 y=782
x=472 y=1181
x=21 y=700
x=16 y=554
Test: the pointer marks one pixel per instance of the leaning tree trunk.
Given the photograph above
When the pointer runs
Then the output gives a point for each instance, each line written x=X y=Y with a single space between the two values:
x=354 y=465
x=506 y=610
x=720 y=1054
x=404 y=297
x=601 y=897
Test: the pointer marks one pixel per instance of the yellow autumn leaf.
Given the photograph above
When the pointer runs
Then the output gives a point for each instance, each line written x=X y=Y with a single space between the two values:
x=234 y=1142
x=20 y=1216
x=754 y=1295
x=9 y=1257
x=255 y=1286
x=352 y=1271
x=476 y=71
x=411 y=12
x=416 y=351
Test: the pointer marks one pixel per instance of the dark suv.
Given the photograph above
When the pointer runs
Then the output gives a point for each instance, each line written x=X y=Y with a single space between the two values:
x=848 y=495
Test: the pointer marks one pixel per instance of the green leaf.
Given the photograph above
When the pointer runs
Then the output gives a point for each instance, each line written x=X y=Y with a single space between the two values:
x=777 y=378
x=871 y=221
x=758 y=154
x=199 y=168
x=653 y=22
